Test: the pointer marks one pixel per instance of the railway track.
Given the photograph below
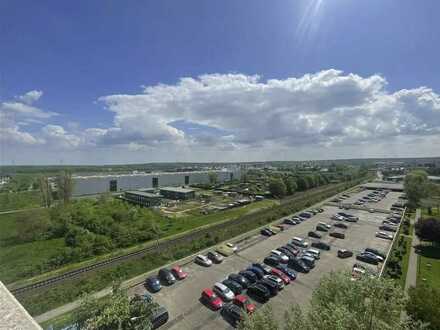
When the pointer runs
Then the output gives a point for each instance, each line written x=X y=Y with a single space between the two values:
x=160 y=246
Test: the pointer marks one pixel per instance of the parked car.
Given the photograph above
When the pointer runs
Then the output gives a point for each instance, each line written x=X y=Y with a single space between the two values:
x=298 y=265
x=235 y=287
x=286 y=251
x=232 y=246
x=159 y=316
x=271 y=286
x=281 y=275
x=275 y=279
x=232 y=313
x=259 y=292
x=384 y=235
x=266 y=232
x=286 y=270
x=166 y=276
x=316 y=253
x=344 y=253
x=376 y=252
x=368 y=258
x=244 y=303
x=328 y=226
x=281 y=226
x=292 y=248
x=274 y=229
x=250 y=276
x=203 y=260
x=306 y=215
x=337 y=217
x=320 y=227
x=272 y=260
x=179 y=273
x=289 y=222
x=301 y=242
x=375 y=256
x=281 y=255
x=347 y=215
x=341 y=225
x=265 y=268
x=314 y=234
x=223 y=291
x=337 y=234
x=215 y=257
x=257 y=271
x=239 y=279
x=321 y=245
x=388 y=228
x=308 y=260
x=153 y=284
x=225 y=250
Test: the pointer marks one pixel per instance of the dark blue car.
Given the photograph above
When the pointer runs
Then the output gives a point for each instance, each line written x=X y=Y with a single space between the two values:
x=257 y=271
x=286 y=270
x=153 y=284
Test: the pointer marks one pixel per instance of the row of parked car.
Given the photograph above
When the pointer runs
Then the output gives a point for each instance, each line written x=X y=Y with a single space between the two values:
x=372 y=197
x=165 y=276
x=390 y=225
x=295 y=220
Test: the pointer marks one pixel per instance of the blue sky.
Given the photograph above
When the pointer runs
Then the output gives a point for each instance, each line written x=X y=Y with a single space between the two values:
x=93 y=60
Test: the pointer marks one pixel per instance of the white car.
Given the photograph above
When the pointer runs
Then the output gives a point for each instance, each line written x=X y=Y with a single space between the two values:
x=223 y=291
x=275 y=279
x=232 y=246
x=325 y=224
x=203 y=260
x=384 y=235
x=301 y=242
x=315 y=252
x=281 y=255
x=338 y=217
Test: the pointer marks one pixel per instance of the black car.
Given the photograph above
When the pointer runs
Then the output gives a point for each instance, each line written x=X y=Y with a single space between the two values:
x=376 y=252
x=286 y=252
x=239 y=279
x=159 y=316
x=305 y=215
x=270 y=285
x=314 y=234
x=341 y=225
x=166 y=276
x=321 y=246
x=266 y=232
x=292 y=248
x=299 y=265
x=286 y=270
x=388 y=228
x=368 y=258
x=259 y=292
x=344 y=253
x=265 y=268
x=337 y=234
x=250 y=276
x=215 y=257
x=289 y=222
x=153 y=284
x=272 y=260
x=257 y=271
x=232 y=313
x=233 y=285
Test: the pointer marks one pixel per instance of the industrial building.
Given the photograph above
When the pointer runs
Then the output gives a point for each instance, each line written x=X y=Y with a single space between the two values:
x=142 y=198
x=177 y=193
x=98 y=184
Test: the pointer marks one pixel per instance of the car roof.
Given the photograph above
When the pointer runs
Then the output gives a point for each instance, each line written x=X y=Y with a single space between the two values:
x=221 y=286
x=208 y=292
x=240 y=298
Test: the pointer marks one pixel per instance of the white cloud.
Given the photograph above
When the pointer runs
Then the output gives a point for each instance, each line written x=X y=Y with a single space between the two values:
x=30 y=97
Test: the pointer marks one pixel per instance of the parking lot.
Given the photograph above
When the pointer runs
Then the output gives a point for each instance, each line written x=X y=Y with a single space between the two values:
x=182 y=298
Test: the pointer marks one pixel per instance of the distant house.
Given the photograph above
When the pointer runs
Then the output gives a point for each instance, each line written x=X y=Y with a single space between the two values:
x=143 y=198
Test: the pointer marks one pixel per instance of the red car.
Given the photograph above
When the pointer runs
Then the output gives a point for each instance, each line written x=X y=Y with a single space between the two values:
x=281 y=275
x=211 y=299
x=244 y=302
x=179 y=273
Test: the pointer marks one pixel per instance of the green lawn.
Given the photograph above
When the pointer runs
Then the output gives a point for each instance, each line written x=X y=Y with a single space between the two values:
x=19 y=200
x=429 y=266
x=9 y=224
x=28 y=259
x=405 y=260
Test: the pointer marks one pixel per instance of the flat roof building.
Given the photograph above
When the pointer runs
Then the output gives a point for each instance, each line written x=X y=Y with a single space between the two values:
x=142 y=198
x=177 y=193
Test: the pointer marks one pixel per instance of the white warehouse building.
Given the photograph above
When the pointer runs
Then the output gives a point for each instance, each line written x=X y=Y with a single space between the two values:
x=97 y=184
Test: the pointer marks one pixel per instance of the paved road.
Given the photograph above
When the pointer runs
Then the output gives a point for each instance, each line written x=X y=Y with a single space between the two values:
x=411 y=275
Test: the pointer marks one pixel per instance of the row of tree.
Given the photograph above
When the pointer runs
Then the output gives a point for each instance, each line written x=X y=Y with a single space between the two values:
x=287 y=185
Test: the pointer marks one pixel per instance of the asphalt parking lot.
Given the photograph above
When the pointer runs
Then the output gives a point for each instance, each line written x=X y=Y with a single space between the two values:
x=182 y=298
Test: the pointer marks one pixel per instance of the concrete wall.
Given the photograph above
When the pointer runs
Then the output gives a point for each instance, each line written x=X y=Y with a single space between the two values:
x=88 y=185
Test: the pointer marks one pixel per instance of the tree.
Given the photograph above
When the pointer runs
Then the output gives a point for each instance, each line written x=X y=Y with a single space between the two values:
x=302 y=184
x=340 y=303
x=416 y=187
x=277 y=188
x=65 y=186
x=213 y=177
x=116 y=312
x=428 y=230
x=46 y=191
x=424 y=305
x=291 y=185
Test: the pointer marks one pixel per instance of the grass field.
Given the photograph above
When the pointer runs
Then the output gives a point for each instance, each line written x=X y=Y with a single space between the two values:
x=429 y=266
x=19 y=200
x=22 y=261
